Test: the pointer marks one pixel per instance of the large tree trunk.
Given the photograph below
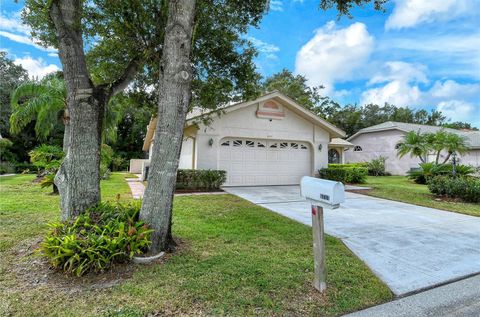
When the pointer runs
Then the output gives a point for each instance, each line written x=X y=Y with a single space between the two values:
x=174 y=99
x=78 y=179
x=66 y=132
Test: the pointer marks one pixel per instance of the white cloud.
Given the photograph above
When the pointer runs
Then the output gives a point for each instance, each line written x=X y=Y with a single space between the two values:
x=265 y=48
x=13 y=24
x=276 y=5
x=13 y=29
x=36 y=67
x=452 y=89
x=409 y=13
x=396 y=92
x=459 y=110
x=333 y=54
x=400 y=71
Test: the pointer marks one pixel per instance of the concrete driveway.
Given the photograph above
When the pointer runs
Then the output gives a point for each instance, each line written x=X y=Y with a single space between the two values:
x=409 y=247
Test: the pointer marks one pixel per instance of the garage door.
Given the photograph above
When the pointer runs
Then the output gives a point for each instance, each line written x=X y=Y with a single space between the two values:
x=264 y=162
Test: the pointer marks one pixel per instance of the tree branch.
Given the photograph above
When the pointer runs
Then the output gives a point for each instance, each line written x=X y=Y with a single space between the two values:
x=129 y=74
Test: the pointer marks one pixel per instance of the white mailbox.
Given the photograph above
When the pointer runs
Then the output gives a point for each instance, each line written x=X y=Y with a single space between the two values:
x=322 y=192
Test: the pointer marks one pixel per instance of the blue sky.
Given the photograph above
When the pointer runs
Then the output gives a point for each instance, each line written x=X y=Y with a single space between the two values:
x=422 y=54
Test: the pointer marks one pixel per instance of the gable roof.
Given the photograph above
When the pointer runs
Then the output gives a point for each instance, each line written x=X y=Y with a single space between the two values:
x=197 y=113
x=283 y=99
x=473 y=137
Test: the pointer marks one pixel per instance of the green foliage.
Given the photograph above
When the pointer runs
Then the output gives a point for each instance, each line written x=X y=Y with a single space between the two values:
x=415 y=144
x=421 y=145
x=47 y=157
x=5 y=153
x=41 y=101
x=345 y=173
x=376 y=167
x=119 y=163
x=426 y=171
x=200 y=179
x=25 y=168
x=102 y=235
x=106 y=157
x=462 y=187
x=347 y=165
x=294 y=86
x=7 y=168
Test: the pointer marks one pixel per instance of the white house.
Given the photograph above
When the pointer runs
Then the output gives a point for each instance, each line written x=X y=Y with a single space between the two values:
x=268 y=141
x=382 y=140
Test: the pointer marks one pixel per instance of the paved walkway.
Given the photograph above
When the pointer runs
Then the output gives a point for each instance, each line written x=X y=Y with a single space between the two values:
x=409 y=247
x=459 y=299
x=136 y=187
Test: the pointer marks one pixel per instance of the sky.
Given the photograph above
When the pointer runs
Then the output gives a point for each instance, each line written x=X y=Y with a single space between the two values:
x=424 y=54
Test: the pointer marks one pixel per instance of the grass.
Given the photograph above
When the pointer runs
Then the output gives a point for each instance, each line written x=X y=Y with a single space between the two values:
x=400 y=188
x=234 y=259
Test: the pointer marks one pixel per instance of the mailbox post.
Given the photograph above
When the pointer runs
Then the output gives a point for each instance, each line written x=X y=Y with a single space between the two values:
x=321 y=193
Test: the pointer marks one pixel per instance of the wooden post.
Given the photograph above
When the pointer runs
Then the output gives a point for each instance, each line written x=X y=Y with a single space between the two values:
x=320 y=281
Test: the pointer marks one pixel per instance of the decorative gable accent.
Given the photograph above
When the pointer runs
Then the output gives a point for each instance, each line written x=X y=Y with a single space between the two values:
x=270 y=110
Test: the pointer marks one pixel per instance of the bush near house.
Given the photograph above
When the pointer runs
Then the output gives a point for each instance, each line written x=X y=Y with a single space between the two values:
x=429 y=170
x=345 y=173
x=208 y=180
x=376 y=167
x=103 y=235
x=462 y=187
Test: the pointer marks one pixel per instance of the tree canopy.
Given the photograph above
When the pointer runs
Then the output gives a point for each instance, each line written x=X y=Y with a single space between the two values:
x=123 y=35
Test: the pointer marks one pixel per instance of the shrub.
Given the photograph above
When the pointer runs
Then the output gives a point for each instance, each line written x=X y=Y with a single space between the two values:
x=354 y=175
x=200 y=179
x=429 y=170
x=463 y=187
x=46 y=158
x=96 y=239
x=7 y=168
x=106 y=157
x=376 y=167
x=119 y=163
x=348 y=165
x=24 y=168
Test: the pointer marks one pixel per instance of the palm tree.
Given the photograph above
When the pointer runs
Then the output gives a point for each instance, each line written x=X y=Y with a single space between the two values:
x=42 y=101
x=414 y=144
x=454 y=143
x=45 y=101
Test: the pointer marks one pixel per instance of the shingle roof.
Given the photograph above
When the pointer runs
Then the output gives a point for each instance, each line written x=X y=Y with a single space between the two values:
x=473 y=137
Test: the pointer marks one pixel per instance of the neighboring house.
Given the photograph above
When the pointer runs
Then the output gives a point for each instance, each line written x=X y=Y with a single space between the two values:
x=268 y=141
x=382 y=140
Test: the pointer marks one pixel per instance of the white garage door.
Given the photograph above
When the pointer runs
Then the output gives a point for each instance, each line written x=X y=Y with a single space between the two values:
x=264 y=162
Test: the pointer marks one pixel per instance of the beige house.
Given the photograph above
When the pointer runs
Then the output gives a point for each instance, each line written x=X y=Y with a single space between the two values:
x=382 y=139
x=268 y=141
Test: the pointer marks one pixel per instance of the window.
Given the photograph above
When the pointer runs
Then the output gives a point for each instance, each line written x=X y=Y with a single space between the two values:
x=294 y=145
x=237 y=143
x=249 y=143
x=260 y=144
x=273 y=146
x=333 y=156
x=303 y=147
x=357 y=148
x=283 y=145
x=225 y=143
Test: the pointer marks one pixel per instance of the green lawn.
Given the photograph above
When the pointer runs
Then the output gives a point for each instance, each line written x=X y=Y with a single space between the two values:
x=234 y=258
x=402 y=189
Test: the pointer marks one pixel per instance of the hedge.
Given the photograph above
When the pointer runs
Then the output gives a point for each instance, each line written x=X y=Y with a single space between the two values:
x=200 y=179
x=345 y=174
x=462 y=187
x=347 y=165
